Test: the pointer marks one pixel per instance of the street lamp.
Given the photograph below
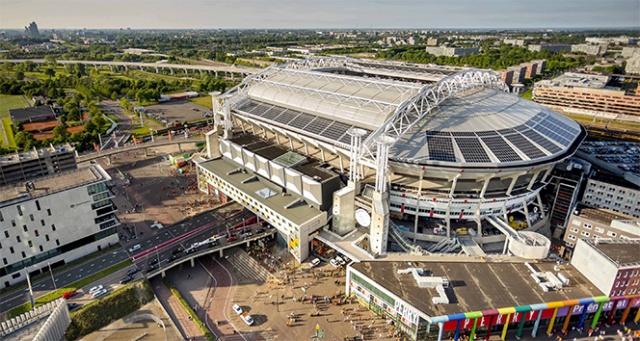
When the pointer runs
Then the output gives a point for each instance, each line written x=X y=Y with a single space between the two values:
x=55 y=287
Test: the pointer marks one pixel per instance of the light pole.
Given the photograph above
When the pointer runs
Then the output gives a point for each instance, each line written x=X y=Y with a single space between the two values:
x=55 y=287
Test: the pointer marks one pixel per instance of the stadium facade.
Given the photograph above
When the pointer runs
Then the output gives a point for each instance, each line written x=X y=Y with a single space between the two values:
x=337 y=143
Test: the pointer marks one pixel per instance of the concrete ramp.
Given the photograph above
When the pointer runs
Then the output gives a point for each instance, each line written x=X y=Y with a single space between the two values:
x=470 y=247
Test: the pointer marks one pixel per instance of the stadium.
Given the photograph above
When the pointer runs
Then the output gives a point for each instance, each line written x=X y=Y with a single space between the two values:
x=323 y=147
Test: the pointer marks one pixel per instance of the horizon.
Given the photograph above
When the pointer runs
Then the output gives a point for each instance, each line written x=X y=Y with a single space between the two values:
x=320 y=15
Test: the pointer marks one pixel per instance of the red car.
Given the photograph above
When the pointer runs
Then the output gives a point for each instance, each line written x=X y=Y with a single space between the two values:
x=67 y=295
x=232 y=239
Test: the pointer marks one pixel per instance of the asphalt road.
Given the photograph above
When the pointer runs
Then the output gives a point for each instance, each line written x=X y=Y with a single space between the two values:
x=14 y=299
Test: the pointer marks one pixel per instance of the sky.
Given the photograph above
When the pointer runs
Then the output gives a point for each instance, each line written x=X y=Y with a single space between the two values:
x=320 y=14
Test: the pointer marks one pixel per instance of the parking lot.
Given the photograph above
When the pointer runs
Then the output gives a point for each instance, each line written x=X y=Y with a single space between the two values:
x=179 y=111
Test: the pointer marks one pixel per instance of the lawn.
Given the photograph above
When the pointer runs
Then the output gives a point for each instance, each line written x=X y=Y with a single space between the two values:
x=8 y=102
x=202 y=100
x=527 y=94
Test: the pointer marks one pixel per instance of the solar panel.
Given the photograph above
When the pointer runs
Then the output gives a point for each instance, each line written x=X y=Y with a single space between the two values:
x=542 y=141
x=318 y=125
x=273 y=113
x=530 y=150
x=437 y=133
x=472 y=150
x=335 y=130
x=463 y=133
x=487 y=133
x=301 y=121
x=259 y=110
x=286 y=116
x=247 y=107
x=521 y=128
x=551 y=130
x=506 y=131
x=440 y=149
x=501 y=149
x=563 y=125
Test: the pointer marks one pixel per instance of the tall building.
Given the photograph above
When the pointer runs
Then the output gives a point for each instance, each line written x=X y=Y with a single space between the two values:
x=518 y=74
x=586 y=93
x=619 y=197
x=23 y=166
x=612 y=265
x=555 y=48
x=590 y=222
x=32 y=29
x=54 y=219
x=507 y=76
x=451 y=51
x=541 y=65
x=531 y=70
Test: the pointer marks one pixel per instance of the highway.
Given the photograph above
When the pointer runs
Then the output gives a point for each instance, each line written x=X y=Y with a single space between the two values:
x=135 y=65
x=14 y=299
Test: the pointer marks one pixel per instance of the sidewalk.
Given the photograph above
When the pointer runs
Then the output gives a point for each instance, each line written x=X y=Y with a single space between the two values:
x=176 y=311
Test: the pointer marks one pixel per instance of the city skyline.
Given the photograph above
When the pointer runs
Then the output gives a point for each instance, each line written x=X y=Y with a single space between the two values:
x=289 y=14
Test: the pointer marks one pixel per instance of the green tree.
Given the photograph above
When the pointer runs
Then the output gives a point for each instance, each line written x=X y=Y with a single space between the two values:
x=50 y=60
x=60 y=134
x=50 y=72
x=7 y=67
x=114 y=96
x=19 y=75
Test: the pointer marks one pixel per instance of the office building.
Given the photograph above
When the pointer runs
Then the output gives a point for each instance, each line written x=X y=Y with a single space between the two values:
x=451 y=51
x=589 y=222
x=23 y=166
x=586 y=93
x=612 y=265
x=617 y=196
x=54 y=220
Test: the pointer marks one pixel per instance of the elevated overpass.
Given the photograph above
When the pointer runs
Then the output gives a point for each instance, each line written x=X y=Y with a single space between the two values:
x=230 y=71
x=145 y=145
x=164 y=266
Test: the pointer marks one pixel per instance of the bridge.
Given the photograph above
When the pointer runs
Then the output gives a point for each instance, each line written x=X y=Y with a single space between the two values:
x=231 y=70
x=144 y=145
x=224 y=245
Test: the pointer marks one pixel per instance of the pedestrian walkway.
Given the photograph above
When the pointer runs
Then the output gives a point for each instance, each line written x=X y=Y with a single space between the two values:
x=247 y=266
x=176 y=311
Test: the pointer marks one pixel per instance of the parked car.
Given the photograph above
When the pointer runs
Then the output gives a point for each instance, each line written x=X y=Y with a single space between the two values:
x=67 y=295
x=334 y=263
x=247 y=319
x=315 y=262
x=99 y=293
x=96 y=289
x=135 y=248
x=237 y=309
x=340 y=261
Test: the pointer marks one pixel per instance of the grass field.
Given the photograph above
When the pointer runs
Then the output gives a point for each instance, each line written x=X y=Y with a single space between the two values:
x=202 y=100
x=8 y=102
x=527 y=94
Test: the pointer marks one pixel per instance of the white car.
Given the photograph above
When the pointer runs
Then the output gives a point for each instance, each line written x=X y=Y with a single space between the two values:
x=135 y=248
x=95 y=289
x=334 y=263
x=340 y=261
x=237 y=309
x=99 y=293
x=315 y=262
x=247 y=319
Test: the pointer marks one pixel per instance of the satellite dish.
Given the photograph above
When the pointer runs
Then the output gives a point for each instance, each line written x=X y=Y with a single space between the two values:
x=363 y=218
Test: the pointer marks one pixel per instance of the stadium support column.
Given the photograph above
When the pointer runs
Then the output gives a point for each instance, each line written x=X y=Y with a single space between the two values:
x=417 y=211
x=379 y=232
x=344 y=208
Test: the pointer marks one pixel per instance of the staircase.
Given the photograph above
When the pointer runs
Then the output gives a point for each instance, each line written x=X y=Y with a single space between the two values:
x=248 y=266
x=404 y=243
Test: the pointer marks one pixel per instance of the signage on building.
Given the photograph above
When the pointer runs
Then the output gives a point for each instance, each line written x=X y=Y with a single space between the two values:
x=408 y=315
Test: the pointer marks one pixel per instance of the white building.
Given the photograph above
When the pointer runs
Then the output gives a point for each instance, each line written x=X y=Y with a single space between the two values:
x=55 y=220
x=613 y=196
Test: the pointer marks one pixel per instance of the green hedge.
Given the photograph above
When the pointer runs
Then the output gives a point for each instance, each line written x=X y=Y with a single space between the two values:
x=108 y=309
x=190 y=311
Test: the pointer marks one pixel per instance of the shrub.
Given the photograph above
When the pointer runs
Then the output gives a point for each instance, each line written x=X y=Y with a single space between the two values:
x=207 y=333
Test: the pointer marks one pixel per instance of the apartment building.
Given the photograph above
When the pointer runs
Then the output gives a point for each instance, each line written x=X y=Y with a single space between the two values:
x=555 y=48
x=451 y=51
x=617 y=197
x=54 y=220
x=591 y=222
x=518 y=74
x=612 y=265
x=590 y=49
x=35 y=163
x=586 y=92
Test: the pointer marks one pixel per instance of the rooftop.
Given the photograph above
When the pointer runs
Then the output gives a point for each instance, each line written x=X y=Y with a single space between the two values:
x=599 y=215
x=23 y=114
x=622 y=252
x=35 y=153
x=48 y=185
x=577 y=80
x=298 y=214
x=475 y=286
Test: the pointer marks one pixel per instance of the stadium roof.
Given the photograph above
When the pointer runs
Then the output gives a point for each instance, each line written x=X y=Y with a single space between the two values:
x=437 y=115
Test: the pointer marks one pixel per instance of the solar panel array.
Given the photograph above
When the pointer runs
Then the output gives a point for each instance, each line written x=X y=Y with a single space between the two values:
x=329 y=129
x=535 y=139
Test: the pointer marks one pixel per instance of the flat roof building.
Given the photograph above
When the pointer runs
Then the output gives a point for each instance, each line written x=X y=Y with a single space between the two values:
x=555 y=48
x=441 y=300
x=590 y=49
x=54 y=219
x=612 y=265
x=586 y=92
x=616 y=196
x=32 y=114
x=451 y=51
x=22 y=166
